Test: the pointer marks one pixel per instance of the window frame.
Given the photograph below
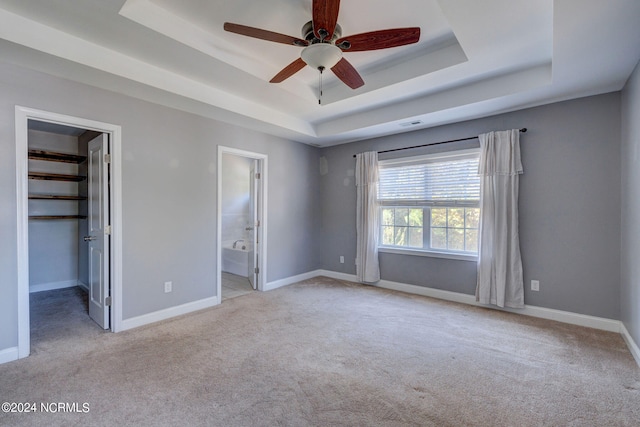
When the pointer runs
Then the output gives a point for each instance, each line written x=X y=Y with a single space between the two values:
x=426 y=249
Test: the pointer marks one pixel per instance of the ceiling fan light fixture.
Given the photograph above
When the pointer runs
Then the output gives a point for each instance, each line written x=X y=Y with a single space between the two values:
x=321 y=55
x=324 y=43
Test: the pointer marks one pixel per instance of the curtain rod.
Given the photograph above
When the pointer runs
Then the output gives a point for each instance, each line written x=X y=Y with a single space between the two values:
x=523 y=130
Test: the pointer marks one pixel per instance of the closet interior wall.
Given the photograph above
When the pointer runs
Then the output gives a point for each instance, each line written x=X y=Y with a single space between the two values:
x=57 y=207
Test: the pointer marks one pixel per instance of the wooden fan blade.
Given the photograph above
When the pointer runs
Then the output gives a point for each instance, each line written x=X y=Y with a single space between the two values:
x=382 y=39
x=349 y=76
x=258 y=33
x=325 y=17
x=288 y=71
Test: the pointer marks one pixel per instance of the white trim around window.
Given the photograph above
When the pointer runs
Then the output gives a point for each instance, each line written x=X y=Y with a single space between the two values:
x=423 y=194
x=427 y=253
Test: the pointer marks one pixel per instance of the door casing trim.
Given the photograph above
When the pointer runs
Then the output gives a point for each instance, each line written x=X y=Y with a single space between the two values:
x=262 y=230
x=22 y=116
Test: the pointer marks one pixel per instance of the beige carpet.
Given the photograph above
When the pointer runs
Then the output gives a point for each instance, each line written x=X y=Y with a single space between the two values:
x=325 y=353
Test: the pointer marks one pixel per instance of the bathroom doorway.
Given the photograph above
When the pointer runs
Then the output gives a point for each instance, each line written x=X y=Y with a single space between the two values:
x=241 y=222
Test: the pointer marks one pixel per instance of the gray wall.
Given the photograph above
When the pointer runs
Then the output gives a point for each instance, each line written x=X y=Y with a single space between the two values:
x=569 y=206
x=168 y=195
x=630 y=246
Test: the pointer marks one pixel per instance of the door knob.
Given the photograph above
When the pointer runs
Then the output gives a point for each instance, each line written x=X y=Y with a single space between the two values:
x=89 y=238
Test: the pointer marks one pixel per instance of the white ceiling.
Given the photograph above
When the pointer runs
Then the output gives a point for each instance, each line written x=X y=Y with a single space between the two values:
x=474 y=58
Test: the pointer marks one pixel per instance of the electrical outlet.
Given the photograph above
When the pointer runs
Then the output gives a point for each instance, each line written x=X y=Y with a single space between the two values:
x=168 y=287
x=341 y=259
x=535 y=285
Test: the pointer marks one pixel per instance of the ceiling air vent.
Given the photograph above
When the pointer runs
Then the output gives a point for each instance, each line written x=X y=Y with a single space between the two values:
x=411 y=123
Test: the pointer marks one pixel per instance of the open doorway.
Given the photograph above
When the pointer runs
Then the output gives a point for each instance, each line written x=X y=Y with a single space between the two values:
x=241 y=222
x=68 y=202
x=68 y=207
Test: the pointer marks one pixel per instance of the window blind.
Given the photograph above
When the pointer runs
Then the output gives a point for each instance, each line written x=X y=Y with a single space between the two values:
x=452 y=181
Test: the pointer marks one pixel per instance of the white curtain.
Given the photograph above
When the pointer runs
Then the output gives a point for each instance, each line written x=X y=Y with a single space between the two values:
x=367 y=219
x=499 y=264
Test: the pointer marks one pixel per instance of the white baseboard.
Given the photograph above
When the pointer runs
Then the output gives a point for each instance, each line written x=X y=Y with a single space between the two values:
x=529 y=310
x=11 y=354
x=594 y=322
x=633 y=347
x=83 y=285
x=8 y=355
x=168 y=313
x=293 y=279
x=52 y=285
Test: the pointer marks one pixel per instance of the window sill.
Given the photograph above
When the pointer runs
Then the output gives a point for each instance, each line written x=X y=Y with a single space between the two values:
x=432 y=254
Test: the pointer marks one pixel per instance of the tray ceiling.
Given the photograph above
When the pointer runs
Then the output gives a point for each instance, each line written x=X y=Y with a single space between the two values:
x=473 y=59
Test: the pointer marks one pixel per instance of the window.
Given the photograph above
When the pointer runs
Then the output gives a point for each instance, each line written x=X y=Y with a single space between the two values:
x=431 y=203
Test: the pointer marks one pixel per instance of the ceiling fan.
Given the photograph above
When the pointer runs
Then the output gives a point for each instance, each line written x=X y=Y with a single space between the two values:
x=323 y=43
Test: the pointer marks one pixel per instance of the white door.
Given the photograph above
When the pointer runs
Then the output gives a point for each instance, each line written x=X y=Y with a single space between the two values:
x=253 y=272
x=98 y=230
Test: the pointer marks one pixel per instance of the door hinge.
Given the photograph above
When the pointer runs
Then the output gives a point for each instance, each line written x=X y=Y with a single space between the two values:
x=258 y=223
x=256 y=270
x=107 y=230
x=107 y=302
x=107 y=158
x=258 y=176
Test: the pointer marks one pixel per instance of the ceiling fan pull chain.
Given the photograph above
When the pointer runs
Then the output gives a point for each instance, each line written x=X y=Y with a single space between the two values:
x=320 y=86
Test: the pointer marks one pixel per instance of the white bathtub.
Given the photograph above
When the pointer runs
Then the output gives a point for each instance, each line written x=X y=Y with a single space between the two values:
x=235 y=260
